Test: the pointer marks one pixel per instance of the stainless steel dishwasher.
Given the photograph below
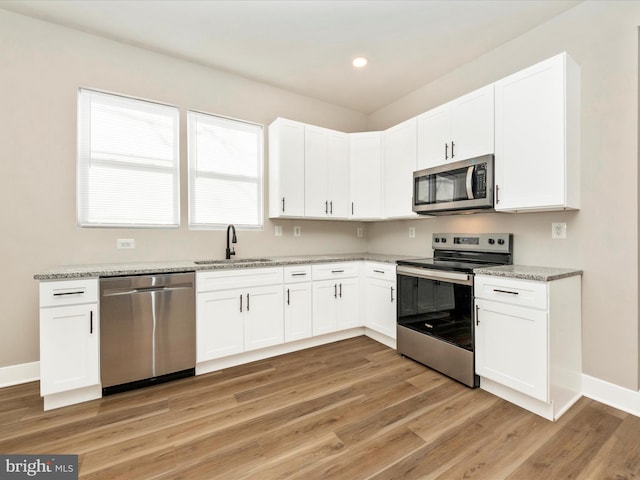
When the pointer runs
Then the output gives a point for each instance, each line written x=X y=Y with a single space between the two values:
x=147 y=330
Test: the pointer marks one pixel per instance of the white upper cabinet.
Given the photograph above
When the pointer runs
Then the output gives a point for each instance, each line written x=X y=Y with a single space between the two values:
x=365 y=175
x=326 y=186
x=537 y=137
x=399 y=163
x=460 y=129
x=286 y=168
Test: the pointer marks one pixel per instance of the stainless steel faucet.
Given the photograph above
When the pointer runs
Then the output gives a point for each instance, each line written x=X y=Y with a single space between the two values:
x=234 y=239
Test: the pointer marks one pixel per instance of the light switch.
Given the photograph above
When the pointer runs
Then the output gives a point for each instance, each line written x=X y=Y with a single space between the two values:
x=558 y=231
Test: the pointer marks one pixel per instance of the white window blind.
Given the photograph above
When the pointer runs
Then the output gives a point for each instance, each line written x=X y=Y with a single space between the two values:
x=225 y=172
x=128 y=162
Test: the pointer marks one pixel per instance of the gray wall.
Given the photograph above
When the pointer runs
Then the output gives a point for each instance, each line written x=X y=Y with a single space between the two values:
x=41 y=67
x=602 y=237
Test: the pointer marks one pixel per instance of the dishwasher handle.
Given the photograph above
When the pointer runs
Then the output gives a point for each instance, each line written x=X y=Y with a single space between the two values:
x=156 y=288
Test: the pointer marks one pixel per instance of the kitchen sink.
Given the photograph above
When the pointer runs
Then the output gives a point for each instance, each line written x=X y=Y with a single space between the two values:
x=233 y=260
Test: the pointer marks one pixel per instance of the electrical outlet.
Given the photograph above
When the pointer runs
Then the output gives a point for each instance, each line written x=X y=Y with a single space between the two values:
x=558 y=231
x=126 y=243
x=278 y=230
x=297 y=231
x=412 y=232
x=359 y=232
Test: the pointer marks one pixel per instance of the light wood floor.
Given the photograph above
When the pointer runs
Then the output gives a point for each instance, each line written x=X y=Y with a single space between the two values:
x=349 y=410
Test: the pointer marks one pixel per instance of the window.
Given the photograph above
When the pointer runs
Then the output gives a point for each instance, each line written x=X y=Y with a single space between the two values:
x=225 y=172
x=128 y=162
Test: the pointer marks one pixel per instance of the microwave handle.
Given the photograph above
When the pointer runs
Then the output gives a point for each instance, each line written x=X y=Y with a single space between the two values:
x=470 y=172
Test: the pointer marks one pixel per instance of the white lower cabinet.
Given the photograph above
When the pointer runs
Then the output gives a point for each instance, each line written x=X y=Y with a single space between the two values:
x=380 y=298
x=69 y=342
x=240 y=319
x=336 y=297
x=528 y=341
x=297 y=303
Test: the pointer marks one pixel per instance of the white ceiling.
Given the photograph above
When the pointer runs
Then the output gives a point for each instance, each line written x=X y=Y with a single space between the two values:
x=306 y=46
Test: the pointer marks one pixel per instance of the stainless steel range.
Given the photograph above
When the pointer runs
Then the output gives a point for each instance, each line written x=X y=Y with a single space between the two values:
x=435 y=301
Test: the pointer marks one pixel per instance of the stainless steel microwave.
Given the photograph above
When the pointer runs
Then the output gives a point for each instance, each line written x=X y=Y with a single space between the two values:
x=464 y=186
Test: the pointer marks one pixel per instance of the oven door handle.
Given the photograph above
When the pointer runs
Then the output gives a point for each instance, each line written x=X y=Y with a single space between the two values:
x=453 y=277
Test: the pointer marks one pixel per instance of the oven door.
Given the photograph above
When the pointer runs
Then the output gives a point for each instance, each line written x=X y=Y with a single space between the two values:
x=437 y=303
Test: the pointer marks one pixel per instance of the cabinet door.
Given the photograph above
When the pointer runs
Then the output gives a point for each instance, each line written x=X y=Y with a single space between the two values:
x=380 y=306
x=399 y=163
x=434 y=135
x=472 y=124
x=264 y=317
x=512 y=347
x=365 y=175
x=348 y=304
x=325 y=295
x=338 y=175
x=69 y=348
x=286 y=169
x=316 y=196
x=530 y=138
x=219 y=324
x=297 y=311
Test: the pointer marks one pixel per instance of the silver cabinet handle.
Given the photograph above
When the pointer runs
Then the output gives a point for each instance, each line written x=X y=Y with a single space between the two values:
x=452 y=145
x=247 y=302
x=497 y=194
x=331 y=207
x=477 y=316
x=90 y=322
x=288 y=297
x=337 y=271
x=391 y=294
x=446 y=151
x=240 y=302
x=326 y=207
x=300 y=274
x=340 y=290
x=335 y=290
x=283 y=204
x=379 y=271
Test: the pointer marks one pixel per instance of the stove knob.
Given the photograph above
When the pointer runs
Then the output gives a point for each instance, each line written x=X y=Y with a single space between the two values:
x=491 y=241
x=500 y=241
x=437 y=240
x=443 y=240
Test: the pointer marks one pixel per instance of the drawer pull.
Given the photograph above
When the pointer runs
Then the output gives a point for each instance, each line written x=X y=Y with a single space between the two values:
x=302 y=274
x=379 y=271
x=505 y=291
x=74 y=292
x=337 y=271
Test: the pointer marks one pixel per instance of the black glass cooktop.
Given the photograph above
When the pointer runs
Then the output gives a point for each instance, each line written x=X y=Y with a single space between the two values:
x=447 y=265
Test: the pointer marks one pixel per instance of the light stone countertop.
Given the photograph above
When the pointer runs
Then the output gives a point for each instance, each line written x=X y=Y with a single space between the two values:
x=525 y=272
x=119 y=269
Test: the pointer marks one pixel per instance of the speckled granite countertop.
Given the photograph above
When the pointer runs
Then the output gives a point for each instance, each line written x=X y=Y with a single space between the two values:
x=525 y=272
x=117 y=269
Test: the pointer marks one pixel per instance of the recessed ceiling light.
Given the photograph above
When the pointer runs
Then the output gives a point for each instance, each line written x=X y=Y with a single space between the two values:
x=360 y=62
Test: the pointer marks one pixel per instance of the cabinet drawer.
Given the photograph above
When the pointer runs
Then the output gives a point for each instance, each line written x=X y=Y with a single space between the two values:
x=328 y=271
x=513 y=291
x=383 y=271
x=68 y=292
x=297 y=274
x=237 y=278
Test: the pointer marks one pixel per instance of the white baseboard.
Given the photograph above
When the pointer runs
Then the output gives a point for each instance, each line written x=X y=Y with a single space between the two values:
x=17 y=374
x=612 y=395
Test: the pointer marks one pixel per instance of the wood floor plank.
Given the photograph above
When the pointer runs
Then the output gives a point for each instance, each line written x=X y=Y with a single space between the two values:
x=349 y=410
x=568 y=451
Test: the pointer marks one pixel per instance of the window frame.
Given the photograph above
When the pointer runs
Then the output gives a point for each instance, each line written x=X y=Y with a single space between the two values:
x=192 y=173
x=83 y=163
